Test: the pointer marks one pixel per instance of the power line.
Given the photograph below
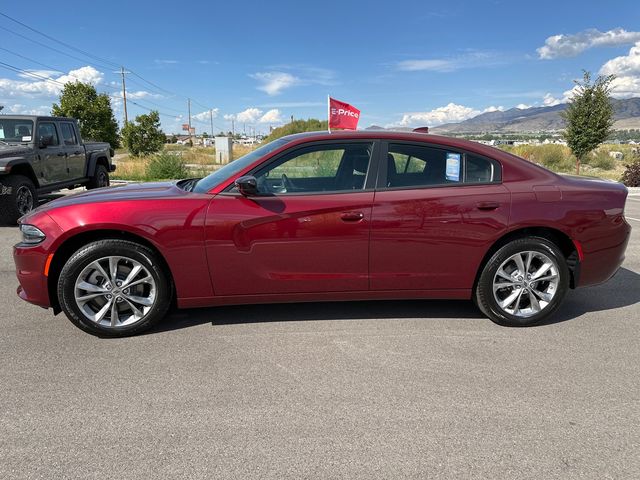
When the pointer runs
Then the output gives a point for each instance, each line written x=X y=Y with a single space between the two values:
x=83 y=52
x=49 y=67
x=53 y=49
x=95 y=57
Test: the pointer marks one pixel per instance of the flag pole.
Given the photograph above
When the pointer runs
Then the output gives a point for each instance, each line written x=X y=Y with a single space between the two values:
x=329 y=113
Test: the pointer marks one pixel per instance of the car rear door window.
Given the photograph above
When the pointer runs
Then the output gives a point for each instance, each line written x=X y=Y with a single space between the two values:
x=410 y=165
x=418 y=166
x=481 y=170
x=68 y=134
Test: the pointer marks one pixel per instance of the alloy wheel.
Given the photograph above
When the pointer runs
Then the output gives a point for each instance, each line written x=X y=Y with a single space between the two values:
x=526 y=283
x=115 y=291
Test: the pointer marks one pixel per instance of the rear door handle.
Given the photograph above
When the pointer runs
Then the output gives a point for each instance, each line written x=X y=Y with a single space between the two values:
x=352 y=216
x=487 y=205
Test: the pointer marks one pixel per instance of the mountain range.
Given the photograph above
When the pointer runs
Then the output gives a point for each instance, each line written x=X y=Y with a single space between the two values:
x=537 y=119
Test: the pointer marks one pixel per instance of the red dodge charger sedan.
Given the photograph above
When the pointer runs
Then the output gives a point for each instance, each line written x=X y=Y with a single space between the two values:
x=327 y=216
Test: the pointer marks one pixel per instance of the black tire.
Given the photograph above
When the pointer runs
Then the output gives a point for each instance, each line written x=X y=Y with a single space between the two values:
x=18 y=196
x=486 y=300
x=100 y=178
x=128 y=250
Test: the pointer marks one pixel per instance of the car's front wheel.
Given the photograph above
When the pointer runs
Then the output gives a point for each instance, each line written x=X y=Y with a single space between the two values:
x=114 y=288
x=523 y=282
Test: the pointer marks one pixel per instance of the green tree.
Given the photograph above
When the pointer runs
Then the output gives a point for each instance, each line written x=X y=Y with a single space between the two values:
x=143 y=136
x=92 y=110
x=589 y=116
x=298 y=126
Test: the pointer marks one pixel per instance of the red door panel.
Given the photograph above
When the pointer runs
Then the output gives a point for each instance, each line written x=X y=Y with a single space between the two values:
x=289 y=243
x=434 y=238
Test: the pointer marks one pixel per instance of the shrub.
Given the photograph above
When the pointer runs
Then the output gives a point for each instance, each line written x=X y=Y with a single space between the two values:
x=600 y=159
x=166 y=166
x=631 y=175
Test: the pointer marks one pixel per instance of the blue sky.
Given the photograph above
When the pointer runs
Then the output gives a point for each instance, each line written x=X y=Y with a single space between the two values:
x=402 y=63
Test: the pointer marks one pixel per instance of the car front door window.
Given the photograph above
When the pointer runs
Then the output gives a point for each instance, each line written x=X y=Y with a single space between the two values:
x=321 y=168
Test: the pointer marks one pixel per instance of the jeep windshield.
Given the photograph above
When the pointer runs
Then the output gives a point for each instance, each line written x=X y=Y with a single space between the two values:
x=14 y=130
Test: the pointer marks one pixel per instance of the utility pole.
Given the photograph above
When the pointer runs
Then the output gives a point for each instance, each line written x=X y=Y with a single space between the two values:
x=211 y=120
x=124 y=95
x=233 y=128
x=189 y=123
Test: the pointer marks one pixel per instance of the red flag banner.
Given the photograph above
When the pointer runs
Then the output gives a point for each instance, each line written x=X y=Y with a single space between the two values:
x=342 y=115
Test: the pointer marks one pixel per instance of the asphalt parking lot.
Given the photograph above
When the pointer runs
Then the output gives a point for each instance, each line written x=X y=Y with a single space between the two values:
x=420 y=389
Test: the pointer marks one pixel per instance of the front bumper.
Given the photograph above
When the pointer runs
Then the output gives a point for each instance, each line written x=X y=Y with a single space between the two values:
x=31 y=260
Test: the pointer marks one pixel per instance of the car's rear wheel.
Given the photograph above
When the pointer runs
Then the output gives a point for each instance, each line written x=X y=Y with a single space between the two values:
x=523 y=282
x=114 y=288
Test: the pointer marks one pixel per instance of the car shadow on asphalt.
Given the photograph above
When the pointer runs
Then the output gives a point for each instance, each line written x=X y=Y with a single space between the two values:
x=291 y=312
x=621 y=291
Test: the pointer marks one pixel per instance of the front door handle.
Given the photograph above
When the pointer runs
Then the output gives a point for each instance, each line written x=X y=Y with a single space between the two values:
x=487 y=205
x=352 y=216
x=78 y=152
x=62 y=154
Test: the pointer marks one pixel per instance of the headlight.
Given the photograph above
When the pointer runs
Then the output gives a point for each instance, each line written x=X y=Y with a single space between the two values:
x=31 y=235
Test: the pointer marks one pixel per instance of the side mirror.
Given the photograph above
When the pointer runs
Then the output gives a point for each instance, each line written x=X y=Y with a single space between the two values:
x=247 y=185
x=45 y=141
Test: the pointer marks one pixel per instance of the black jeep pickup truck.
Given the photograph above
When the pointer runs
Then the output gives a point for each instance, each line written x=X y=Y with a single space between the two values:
x=43 y=154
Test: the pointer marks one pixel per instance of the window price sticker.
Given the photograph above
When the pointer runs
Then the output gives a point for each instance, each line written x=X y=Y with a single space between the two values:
x=453 y=167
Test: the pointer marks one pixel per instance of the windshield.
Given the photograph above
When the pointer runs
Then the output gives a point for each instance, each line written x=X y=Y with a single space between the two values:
x=217 y=177
x=14 y=130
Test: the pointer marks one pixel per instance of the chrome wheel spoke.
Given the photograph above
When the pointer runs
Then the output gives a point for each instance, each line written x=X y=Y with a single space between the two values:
x=146 y=279
x=132 y=274
x=535 y=305
x=91 y=296
x=140 y=300
x=520 y=264
x=102 y=312
x=113 y=269
x=542 y=270
x=136 y=311
x=510 y=299
x=90 y=287
x=114 y=314
x=545 y=297
x=500 y=285
x=553 y=276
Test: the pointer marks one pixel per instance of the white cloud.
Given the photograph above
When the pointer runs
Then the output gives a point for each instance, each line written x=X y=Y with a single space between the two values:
x=136 y=95
x=274 y=83
x=493 y=108
x=562 y=45
x=250 y=115
x=19 y=109
x=31 y=86
x=522 y=106
x=206 y=115
x=255 y=115
x=549 y=100
x=31 y=74
x=467 y=60
x=626 y=68
x=272 y=116
x=447 y=114
x=165 y=62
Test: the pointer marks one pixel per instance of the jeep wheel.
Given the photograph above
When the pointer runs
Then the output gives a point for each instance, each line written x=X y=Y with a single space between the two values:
x=18 y=197
x=100 y=178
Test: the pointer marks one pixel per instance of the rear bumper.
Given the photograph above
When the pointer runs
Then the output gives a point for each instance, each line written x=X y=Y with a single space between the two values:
x=602 y=263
